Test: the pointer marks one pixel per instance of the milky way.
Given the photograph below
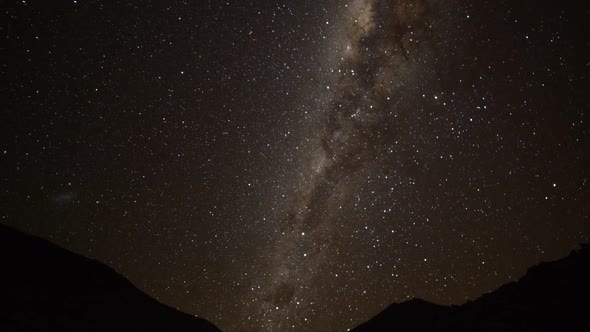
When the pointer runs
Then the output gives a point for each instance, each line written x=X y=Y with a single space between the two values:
x=359 y=122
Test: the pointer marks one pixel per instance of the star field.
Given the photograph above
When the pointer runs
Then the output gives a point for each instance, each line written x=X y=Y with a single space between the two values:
x=282 y=166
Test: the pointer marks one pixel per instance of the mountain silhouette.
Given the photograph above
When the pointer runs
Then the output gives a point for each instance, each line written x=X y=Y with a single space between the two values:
x=550 y=297
x=46 y=288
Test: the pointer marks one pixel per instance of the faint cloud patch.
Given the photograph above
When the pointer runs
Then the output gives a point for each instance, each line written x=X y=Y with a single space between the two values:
x=64 y=199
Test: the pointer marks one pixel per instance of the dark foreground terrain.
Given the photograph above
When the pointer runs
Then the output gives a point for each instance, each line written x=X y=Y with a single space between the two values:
x=46 y=288
x=552 y=296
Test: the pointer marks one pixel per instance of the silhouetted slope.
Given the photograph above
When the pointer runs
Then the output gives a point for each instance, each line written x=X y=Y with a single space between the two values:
x=550 y=297
x=46 y=288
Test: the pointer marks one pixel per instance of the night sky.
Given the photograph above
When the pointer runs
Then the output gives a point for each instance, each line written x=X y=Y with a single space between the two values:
x=299 y=165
